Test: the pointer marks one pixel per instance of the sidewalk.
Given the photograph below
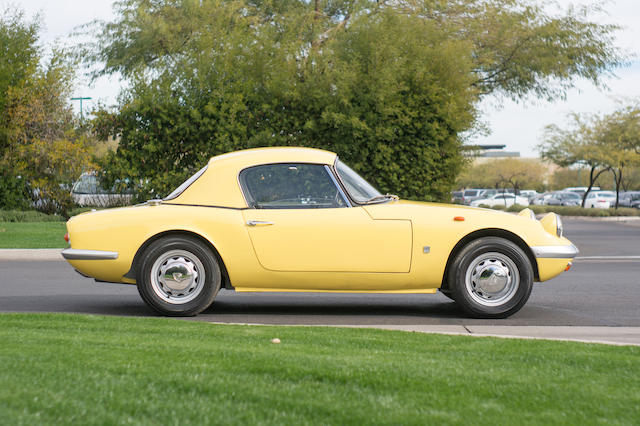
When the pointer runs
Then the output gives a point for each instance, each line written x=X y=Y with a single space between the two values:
x=619 y=336
x=606 y=335
x=31 y=254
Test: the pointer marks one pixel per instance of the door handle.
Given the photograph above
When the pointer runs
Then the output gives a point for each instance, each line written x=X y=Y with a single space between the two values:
x=258 y=223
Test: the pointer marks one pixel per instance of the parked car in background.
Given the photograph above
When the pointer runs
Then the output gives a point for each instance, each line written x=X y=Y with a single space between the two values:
x=580 y=190
x=630 y=199
x=466 y=196
x=563 y=198
x=600 y=200
x=87 y=192
x=506 y=200
x=472 y=194
x=539 y=199
x=529 y=194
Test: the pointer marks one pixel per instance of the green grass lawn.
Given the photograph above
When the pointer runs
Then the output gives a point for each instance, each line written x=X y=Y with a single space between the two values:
x=72 y=369
x=32 y=235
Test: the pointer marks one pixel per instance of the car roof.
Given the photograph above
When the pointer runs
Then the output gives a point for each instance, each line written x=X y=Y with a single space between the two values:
x=219 y=186
x=278 y=154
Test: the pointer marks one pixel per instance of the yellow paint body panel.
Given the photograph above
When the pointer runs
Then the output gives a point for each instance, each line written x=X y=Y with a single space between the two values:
x=374 y=248
x=330 y=240
x=550 y=268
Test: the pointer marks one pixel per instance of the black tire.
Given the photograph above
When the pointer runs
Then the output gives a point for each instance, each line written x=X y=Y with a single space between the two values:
x=491 y=277
x=173 y=259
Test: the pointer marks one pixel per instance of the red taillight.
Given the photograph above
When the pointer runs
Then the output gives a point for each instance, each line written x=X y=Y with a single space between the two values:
x=66 y=237
x=568 y=267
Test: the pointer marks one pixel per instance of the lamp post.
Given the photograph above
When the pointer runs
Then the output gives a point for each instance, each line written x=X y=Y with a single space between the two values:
x=80 y=99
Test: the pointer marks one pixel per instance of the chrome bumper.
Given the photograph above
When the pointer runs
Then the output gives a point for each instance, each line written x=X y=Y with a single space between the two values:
x=557 y=252
x=75 y=254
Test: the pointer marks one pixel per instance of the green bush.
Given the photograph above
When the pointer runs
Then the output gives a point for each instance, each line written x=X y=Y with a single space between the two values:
x=13 y=192
x=28 y=216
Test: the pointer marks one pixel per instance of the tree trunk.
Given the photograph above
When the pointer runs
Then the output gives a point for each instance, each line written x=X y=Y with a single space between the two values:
x=617 y=177
x=592 y=180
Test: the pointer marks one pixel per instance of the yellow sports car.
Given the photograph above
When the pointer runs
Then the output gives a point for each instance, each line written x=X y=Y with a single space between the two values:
x=298 y=219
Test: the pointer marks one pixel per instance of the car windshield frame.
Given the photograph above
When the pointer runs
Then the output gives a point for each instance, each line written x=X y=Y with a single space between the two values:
x=373 y=195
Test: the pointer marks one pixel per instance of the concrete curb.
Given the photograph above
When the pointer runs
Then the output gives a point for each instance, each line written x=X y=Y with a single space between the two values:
x=31 y=254
x=603 y=219
x=618 y=336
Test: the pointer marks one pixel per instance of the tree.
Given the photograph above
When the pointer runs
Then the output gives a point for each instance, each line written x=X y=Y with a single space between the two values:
x=19 y=57
x=43 y=152
x=574 y=146
x=618 y=141
x=603 y=143
x=564 y=177
x=514 y=173
x=631 y=180
x=390 y=86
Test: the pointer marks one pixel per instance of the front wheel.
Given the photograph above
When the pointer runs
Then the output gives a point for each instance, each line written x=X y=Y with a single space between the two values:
x=491 y=278
x=178 y=276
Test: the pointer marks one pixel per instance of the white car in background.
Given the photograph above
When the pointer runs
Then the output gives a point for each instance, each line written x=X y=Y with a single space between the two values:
x=87 y=192
x=600 y=200
x=501 y=199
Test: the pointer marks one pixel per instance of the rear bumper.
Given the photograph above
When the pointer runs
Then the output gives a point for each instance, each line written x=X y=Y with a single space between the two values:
x=555 y=252
x=76 y=254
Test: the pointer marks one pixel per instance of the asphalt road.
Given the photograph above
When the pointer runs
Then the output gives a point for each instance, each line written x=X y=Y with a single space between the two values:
x=596 y=292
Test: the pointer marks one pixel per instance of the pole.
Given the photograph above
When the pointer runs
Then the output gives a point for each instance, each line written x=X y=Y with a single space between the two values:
x=80 y=99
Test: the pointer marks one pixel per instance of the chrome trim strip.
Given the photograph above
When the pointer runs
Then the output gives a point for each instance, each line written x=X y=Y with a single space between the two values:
x=557 y=252
x=77 y=254
x=335 y=182
x=258 y=223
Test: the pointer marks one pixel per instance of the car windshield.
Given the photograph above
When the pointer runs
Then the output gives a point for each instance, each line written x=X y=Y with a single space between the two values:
x=470 y=193
x=179 y=190
x=358 y=188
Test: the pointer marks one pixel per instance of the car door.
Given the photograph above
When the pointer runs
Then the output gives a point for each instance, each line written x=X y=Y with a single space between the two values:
x=299 y=220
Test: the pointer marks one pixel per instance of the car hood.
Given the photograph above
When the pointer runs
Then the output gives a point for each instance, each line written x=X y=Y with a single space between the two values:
x=452 y=221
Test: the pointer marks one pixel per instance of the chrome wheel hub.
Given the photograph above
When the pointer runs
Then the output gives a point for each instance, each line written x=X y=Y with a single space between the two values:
x=177 y=276
x=492 y=279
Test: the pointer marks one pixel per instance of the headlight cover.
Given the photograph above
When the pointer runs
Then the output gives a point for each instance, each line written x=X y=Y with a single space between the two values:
x=552 y=224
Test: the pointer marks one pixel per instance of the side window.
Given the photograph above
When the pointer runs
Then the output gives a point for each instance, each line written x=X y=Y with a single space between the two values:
x=290 y=186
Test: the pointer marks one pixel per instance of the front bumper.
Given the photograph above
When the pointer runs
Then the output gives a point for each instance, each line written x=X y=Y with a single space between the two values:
x=555 y=252
x=76 y=254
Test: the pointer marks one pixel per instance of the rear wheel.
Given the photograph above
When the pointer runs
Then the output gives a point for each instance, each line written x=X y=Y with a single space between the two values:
x=491 y=278
x=178 y=276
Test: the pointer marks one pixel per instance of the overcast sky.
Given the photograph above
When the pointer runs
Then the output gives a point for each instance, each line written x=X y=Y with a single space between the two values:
x=518 y=126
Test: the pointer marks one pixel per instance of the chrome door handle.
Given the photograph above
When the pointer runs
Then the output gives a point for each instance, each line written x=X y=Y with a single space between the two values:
x=258 y=223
